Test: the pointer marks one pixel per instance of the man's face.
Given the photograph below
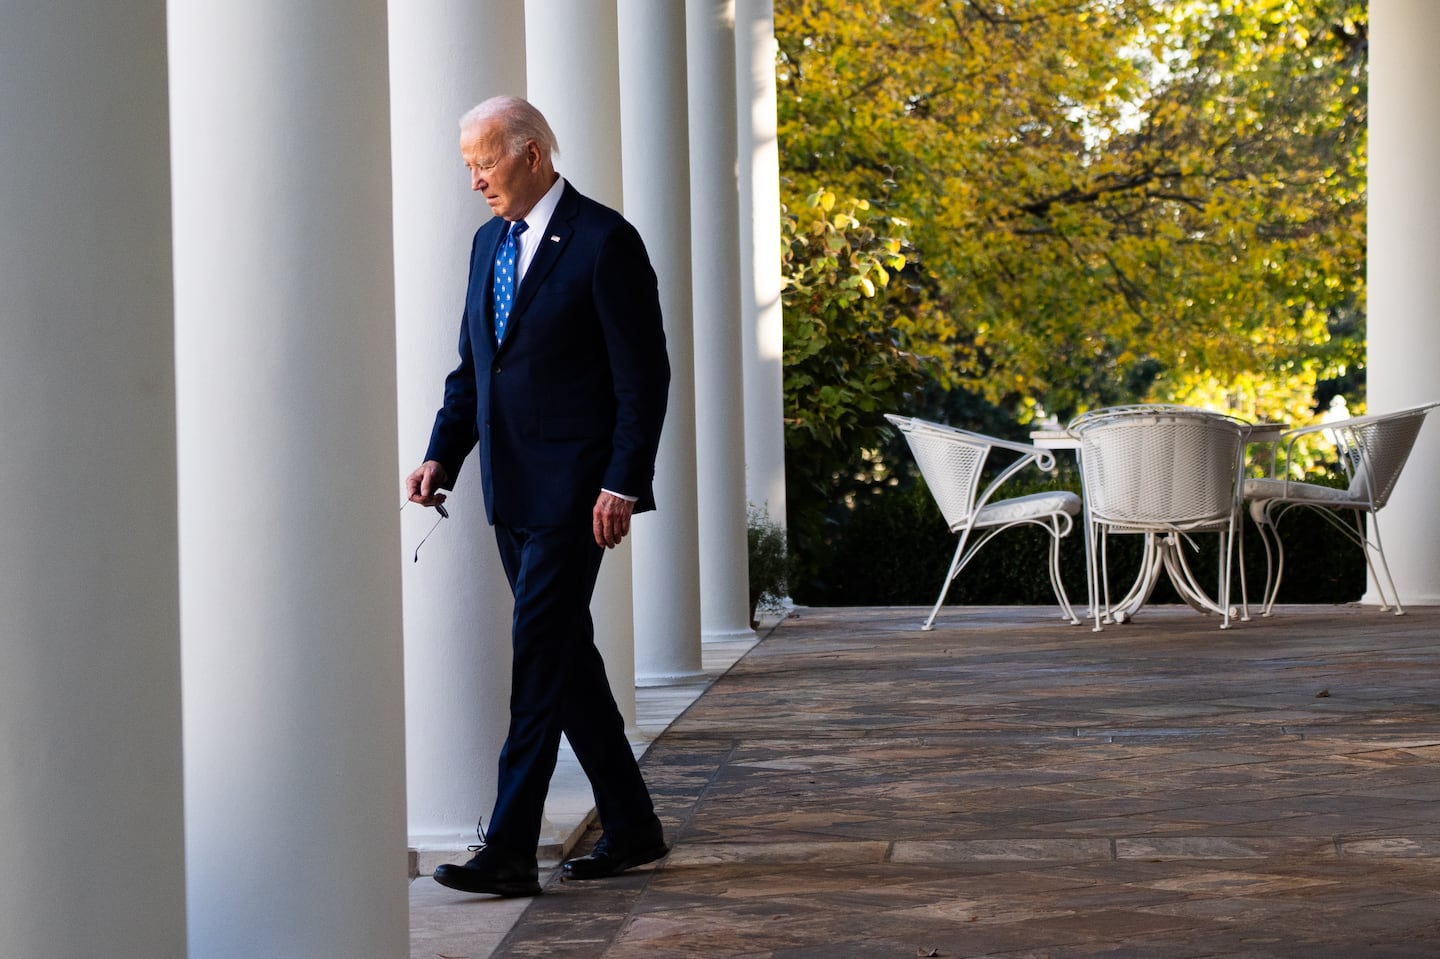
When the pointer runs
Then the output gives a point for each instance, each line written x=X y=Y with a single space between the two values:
x=510 y=184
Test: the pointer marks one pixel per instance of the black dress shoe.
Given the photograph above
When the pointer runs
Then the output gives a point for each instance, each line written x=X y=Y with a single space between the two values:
x=494 y=871
x=612 y=856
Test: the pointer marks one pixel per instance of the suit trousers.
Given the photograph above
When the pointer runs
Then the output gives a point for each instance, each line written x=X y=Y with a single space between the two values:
x=558 y=684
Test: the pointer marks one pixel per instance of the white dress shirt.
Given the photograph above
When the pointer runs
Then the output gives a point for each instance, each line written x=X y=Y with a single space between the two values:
x=537 y=221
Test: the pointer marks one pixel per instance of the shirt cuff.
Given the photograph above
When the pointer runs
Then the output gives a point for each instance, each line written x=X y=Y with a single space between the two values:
x=628 y=499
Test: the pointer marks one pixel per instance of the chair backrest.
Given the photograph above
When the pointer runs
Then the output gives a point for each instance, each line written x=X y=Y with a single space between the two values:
x=951 y=461
x=1166 y=469
x=1132 y=409
x=1375 y=449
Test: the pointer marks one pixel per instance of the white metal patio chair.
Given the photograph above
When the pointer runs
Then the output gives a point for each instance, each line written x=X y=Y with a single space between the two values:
x=952 y=461
x=1372 y=451
x=1168 y=472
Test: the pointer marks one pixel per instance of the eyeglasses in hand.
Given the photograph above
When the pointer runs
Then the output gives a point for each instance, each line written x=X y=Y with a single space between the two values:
x=444 y=515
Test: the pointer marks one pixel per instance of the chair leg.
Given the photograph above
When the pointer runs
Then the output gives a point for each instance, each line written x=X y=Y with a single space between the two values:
x=945 y=588
x=1066 y=612
x=1272 y=526
x=1240 y=559
x=1099 y=577
x=1379 y=549
x=1267 y=598
x=1226 y=551
x=1087 y=538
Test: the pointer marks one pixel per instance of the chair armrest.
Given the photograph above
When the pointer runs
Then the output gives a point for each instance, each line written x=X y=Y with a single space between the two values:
x=1043 y=458
x=1353 y=421
x=1286 y=445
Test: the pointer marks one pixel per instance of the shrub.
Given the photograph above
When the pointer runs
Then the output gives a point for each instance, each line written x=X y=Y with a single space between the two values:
x=769 y=563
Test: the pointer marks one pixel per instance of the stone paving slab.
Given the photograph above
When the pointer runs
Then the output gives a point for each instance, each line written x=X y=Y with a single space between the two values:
x=1009 y=787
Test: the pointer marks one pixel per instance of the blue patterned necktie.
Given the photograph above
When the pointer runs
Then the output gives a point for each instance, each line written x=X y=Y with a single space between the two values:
x=505 y=277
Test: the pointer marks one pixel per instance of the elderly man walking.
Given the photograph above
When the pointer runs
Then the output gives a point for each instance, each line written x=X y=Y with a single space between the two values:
x=562 y=384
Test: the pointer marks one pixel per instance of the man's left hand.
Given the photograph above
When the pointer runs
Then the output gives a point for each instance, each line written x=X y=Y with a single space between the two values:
x=611 y=519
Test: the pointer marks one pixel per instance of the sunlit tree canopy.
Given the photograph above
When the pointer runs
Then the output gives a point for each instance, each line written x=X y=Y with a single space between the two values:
x=1096 y=201
x=1107 y=199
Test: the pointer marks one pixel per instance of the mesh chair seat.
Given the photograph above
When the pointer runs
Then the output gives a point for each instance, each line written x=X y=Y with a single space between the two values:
x=952 y=462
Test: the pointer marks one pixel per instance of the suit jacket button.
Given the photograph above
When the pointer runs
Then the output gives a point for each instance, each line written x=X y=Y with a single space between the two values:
x=496 y=368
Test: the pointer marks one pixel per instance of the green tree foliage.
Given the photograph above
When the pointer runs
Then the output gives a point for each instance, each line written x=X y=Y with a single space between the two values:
x=1103 y=201
x=848 y=356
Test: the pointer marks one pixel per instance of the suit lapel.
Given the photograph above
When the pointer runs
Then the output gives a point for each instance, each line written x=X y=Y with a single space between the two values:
x=552 y=245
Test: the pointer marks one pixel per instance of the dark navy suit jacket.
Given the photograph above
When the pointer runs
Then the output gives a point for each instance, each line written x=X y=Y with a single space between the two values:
x=573 y=400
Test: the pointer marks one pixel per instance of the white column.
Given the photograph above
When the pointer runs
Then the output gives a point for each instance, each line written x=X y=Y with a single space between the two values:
x=654 y=135
x=1404 y=274
x=445 y=57
x=719 y=373
x=576 y=84
x=575 y=81
x=761 y=328
x=289 y=515
x=90 y=767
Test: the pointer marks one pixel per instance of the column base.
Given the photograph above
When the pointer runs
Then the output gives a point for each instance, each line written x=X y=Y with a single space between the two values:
x=687 y=678
x=1371 y=598
x=724 y=635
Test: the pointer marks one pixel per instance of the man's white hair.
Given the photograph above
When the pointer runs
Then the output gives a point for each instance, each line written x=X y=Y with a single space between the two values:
x=519 y=123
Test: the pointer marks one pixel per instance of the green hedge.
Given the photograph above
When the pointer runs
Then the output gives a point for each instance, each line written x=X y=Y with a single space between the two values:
x=892 y=549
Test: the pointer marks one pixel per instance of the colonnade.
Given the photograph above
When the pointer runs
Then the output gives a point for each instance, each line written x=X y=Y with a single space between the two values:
x=232 y=260
x=233 y=238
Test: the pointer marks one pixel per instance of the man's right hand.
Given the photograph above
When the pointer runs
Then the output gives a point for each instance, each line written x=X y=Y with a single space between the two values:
x=423 y=485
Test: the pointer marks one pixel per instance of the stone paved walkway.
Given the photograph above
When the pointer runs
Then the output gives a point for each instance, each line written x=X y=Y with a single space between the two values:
x=1009 y=786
